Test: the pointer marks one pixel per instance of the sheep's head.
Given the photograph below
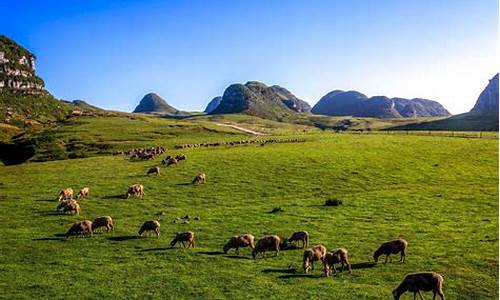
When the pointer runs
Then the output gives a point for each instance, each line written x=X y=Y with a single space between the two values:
x=396 y=294
x=226 y=247
x=254 y=253
x=173 y=242
x=376 y=255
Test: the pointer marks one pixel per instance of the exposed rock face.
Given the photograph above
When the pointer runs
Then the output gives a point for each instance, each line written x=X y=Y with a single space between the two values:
x=352 y=103
x=17 y=68
x=258 y=99
x=488 y=100
x=152 y=103
x=212 y=105
x=290 y=100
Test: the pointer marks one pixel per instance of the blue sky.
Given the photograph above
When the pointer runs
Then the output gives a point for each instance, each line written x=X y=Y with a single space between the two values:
x=111 y=53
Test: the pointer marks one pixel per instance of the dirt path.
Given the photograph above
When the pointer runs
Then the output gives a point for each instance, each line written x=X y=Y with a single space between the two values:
x=245 y=130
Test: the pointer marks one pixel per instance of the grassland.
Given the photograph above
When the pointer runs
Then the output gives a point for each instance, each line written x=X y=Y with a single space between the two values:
x=439 y=193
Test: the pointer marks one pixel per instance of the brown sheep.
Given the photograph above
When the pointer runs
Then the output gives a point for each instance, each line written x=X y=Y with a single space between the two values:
x=104 y=221
x=182 y=237
x=424 y=281
x=240 y=241
x=302 y=236
x=67 y=193
x=153 y=170
x=81 y=227
x=335 y=257
x=392 y=247
x=70 y=206
x=136 y=190
x=200 y=178
x=316 y=253
x=83 y=193
x=150 y=226
x=268 y=242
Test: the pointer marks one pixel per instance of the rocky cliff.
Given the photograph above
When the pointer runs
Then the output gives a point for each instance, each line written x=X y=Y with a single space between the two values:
x=212 y=105
x=488 y=99
x=152 y=103
x=17 y=68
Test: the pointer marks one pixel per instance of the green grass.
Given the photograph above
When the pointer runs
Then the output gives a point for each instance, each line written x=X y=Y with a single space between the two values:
x=441 y=194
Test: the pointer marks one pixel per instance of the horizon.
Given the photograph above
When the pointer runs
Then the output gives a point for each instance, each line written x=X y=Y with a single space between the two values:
x=95 y=51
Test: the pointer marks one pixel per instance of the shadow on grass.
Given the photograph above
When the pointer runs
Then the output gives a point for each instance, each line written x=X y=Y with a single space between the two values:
x=363 y=265
x=185 y=183
x=156 y=249
x=53 y=213
x=238 y=257
x=211 y=252
x=121 y=196
x=47 y=200
x=291 y=276
x=124 y=238
x=287 y=271
x=62 y=239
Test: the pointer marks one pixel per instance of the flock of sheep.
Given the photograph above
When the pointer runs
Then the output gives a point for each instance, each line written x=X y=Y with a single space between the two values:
x=414 y=282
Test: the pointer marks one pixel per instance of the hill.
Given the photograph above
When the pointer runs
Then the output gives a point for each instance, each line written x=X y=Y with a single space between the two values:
x=482 y=117
x=257 y=99
x=153 y=103
x=353 y=103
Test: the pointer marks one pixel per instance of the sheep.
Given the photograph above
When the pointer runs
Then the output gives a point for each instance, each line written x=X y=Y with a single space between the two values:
x=136 y=190
x=200 y=178
x=153 y=170
x=180 y=157
x=392 y=247
x=169 y=161
x=423 y=281
x=316 y=253
x=83 y=193
x=104 y=221
x=335 y=257
x=182 y=237
x=67 y=193
x=150 y=226
x=70 y=206
x=300 y=236
x=237 y=241
x=81 y=227
x=268 y=242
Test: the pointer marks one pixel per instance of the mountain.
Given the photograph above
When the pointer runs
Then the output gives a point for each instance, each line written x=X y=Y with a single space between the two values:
x=212 y=105
x=257 y=99
x=482 y=117
x=353 y=103
x=488 y=99
x=152 y=103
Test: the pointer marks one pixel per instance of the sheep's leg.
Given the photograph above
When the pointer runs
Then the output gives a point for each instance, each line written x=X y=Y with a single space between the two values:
x=193 y=244
x=348 y=266
x=421 y=297
x=386 y=258
x=334 y=269
x=237 y=251
x=183 y=245
x=342 y=266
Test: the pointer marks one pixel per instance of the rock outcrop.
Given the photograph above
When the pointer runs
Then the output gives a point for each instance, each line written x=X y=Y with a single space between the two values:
x=152 y=103
x=17 y=68
x=488 y=99
x=353 y=103
x=257 y=99
x=212 y=105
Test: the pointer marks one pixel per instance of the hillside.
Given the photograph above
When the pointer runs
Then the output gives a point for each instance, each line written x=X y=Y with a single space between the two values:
x=356 y=104
x=212 y=105
x=383 y=180
x=257 y=99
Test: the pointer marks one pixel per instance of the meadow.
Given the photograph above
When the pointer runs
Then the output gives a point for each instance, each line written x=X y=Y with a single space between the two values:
x=438 y=193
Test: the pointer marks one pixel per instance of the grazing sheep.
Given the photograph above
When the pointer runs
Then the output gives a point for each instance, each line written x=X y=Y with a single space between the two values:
x=169 y=161
x=182 y=237
x=150 y=226
x=70 y=206
x=83 y=193
x=268 y=242
x=65 y=194
x=180 y=157
x=237 y=241
x=153 y=170
x=316 y=253
x=200 y=178
x=392 y=247
x=135 y=190
x=104 y=221
x=335 y=257
x=416 y=282
x=81 y=227
x=302 y=236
